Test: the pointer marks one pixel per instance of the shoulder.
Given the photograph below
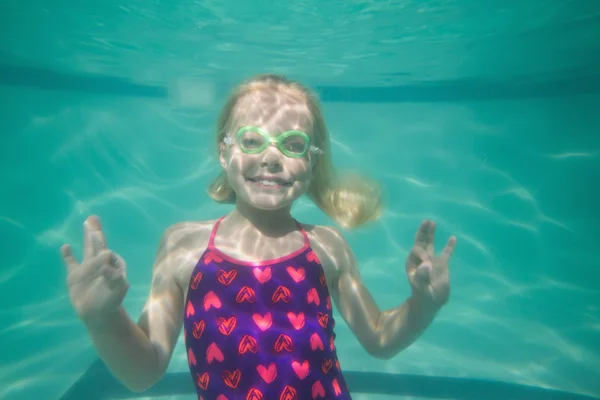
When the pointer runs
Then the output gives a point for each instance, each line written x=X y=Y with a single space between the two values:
x=327 y=235
x=180 y=247
x=182 y=233
x=183 y=238
x=331 y=247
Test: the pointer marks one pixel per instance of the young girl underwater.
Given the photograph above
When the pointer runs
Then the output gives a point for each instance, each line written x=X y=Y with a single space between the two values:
x=254 y=289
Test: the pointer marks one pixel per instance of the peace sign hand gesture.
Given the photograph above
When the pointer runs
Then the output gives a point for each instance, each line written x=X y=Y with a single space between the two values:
x=98 y=285
x=428 y=274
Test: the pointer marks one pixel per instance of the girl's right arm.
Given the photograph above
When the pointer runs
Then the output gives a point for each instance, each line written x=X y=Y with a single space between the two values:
x=136 y=354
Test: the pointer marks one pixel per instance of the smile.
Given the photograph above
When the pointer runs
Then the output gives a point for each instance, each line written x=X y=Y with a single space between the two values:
x=270 y=182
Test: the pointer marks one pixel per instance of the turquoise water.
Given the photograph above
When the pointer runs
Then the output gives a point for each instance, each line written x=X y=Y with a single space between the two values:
x=457 y=136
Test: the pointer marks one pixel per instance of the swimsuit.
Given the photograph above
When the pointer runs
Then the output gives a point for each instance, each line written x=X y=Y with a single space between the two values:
x=261 y=330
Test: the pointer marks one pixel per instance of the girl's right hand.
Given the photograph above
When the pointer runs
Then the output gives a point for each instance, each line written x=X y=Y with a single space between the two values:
x=98 y=285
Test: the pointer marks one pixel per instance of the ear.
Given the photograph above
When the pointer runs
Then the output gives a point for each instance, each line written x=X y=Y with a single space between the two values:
x=222 y=155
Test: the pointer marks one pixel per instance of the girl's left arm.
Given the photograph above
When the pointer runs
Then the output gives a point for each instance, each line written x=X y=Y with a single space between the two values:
x=384 y=334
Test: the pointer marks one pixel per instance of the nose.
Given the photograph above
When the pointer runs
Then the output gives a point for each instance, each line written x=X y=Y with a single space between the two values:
x=271 y=157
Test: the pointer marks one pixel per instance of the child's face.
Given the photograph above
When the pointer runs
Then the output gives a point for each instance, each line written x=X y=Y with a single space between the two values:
x=269 y=180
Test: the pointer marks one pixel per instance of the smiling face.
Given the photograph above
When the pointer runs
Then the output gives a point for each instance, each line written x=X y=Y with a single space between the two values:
x=269 y=179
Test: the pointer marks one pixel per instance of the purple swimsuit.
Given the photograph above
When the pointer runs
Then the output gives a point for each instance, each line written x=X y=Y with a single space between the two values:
x=261 y=330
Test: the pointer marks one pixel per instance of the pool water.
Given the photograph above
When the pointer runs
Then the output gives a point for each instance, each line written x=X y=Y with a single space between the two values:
x=480 y=116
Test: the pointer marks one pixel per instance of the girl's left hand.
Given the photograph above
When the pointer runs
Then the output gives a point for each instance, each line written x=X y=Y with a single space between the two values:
x=428 y=274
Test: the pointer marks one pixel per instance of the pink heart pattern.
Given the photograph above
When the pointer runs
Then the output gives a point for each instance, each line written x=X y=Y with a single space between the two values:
x=284 y=309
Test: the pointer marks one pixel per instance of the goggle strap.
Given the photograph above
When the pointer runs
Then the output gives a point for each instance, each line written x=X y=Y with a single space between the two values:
x=316 y=150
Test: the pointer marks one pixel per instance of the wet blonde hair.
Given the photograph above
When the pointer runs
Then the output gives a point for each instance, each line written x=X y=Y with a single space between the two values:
x=348 y=199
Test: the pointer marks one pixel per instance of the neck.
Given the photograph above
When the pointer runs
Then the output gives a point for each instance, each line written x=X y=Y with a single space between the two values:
x=273 y=223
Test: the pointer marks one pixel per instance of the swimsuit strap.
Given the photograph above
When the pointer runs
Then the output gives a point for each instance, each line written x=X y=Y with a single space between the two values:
x=213 y=233
x=304 y=234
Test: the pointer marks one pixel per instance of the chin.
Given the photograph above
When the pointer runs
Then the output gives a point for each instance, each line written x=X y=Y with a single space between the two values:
x=271 y=199
x=269 y=203
x=270 y=207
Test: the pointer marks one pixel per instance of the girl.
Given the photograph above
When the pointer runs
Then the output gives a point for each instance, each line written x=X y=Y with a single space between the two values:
x=254 y=289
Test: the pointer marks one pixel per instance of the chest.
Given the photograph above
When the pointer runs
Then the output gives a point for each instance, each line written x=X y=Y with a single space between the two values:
x=301 y=269
x=295 y=278
x=284 y=295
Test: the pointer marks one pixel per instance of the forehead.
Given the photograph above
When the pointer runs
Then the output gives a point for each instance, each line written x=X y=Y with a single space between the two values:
x=275 y=111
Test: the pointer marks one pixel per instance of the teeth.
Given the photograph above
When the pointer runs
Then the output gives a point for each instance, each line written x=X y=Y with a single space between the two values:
x=269 y=183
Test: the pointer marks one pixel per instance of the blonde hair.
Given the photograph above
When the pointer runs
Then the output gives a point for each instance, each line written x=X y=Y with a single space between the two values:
x=348 y=199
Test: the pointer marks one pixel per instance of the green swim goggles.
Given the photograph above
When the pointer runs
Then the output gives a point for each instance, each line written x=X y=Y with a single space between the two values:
x=254 y=140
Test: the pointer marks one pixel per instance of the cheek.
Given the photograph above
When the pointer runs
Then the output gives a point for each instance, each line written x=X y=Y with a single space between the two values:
x=238 y=162
x=302 y=171
x=234 y=167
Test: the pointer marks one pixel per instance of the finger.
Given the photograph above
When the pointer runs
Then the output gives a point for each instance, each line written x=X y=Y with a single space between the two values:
x=107 y=258
x=114 y=276
x=90 y=269
x=88 y=249
x=98 y=241
x=424 y=236
x=423 y=273
x=94 y=241
x=67 y=256
x=431 y=237
x=419 y=255
x=449 y=249
x=118 y=263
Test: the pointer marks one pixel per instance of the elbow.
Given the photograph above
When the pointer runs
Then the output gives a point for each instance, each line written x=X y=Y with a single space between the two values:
x=136 y=389
x=138 y=386
x=377 y=349
x=382 y=348
x=141 y=383
x=381 y=353
x=389 y=337
x=378 y=344
x=384 y=356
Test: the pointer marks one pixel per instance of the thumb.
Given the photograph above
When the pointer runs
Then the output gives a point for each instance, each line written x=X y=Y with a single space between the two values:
x=422 y=274
x=112 y=265
x=118 y=262
x=112 y=274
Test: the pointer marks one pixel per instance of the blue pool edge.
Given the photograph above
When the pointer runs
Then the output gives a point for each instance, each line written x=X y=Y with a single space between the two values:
x=519 y=88
x=97 y=383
